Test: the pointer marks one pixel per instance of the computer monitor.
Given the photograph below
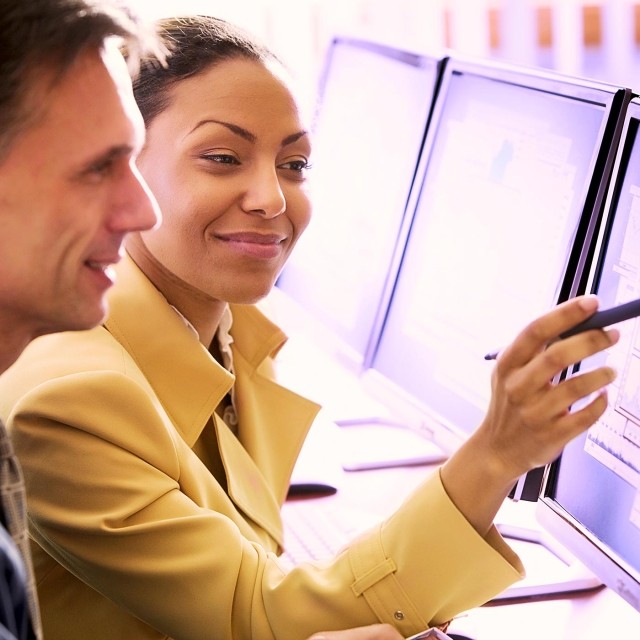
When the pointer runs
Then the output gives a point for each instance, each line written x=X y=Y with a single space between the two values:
x=590 y=499
x=510 y=190
x=373 y=110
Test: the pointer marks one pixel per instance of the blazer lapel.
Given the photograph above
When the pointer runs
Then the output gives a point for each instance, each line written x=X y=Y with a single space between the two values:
x=246 y=484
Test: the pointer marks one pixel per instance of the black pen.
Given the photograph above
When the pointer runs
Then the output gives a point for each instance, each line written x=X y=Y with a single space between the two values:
x=598 y=320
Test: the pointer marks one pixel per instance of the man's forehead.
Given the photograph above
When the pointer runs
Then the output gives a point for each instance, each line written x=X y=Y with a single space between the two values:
x=90 y=109
x=116 y=64
x=46 y=83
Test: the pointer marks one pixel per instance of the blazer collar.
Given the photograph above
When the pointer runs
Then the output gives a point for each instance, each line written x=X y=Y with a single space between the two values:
x=136 y=311
x=190 y=384
x=183 y=374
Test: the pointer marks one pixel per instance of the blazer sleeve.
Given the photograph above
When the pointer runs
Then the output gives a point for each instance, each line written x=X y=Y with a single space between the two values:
x=103 y=465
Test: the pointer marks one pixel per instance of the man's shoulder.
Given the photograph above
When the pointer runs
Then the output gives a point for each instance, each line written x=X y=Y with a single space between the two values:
x=68 y=352
x=58 y=356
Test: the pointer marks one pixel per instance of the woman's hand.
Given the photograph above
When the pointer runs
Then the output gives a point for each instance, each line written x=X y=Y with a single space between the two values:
x=529 y=419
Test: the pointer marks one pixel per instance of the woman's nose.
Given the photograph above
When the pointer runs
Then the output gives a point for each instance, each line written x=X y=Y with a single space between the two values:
x=264 y=195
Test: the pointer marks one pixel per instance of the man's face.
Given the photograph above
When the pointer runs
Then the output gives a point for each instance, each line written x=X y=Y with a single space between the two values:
x=69 y=193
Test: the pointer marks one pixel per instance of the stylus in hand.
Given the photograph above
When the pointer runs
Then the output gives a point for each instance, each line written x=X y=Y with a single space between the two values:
x=598 y=320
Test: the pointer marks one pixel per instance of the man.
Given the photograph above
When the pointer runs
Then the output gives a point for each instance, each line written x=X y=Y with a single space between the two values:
x=69 y=192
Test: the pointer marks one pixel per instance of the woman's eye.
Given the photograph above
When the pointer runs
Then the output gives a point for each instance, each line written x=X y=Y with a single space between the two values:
x=221 y=158
x=299 y=166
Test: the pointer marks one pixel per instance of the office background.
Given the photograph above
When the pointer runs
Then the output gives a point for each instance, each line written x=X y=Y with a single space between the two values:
x=595 y=39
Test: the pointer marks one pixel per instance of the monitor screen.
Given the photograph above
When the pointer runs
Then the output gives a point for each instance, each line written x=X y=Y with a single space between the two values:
x=591 y=497
x=373 y=110
x=511 y=187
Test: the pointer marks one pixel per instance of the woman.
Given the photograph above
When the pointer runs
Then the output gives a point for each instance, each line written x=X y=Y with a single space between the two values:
x=158 y=448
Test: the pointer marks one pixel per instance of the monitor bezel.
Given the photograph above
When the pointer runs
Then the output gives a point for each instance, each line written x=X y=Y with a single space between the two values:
x=553 y=517
x=334 y=342
x=614 y=99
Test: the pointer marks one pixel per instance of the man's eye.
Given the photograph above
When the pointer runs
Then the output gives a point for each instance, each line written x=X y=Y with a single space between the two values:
x=98 y=171
x=101 y=168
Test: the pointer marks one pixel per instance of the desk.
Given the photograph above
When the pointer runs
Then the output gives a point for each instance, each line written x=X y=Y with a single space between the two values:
x=589 y=616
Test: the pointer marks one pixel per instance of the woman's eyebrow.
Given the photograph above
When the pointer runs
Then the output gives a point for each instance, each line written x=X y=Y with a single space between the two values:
x=245 y=133
x=294 y=137
x=234 y=128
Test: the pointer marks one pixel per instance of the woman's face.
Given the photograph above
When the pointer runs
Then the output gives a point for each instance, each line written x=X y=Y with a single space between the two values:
x=227 y=162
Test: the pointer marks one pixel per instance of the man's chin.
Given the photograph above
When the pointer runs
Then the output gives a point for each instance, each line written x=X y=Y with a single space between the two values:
x=84 y=318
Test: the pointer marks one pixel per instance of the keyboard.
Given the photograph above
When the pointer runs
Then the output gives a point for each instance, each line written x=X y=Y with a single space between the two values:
x=318 y=529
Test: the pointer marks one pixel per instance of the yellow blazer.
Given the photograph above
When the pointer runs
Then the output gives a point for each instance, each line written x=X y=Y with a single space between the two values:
x=153 y=520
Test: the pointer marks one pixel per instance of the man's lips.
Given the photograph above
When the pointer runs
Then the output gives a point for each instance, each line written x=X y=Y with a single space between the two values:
x=98 y=265
x=103 y=267
x=103 y=262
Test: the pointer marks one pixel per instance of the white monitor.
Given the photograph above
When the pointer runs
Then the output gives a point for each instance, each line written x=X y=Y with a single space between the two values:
x=373 y=110
x=507 y=201
x=591 y=498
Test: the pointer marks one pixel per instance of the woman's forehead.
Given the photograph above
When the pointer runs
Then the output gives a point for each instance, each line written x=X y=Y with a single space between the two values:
x=237 y=89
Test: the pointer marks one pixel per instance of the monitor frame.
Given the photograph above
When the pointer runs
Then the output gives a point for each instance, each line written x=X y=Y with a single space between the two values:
x=615 y=99
x=553 y=517
x=334 y=339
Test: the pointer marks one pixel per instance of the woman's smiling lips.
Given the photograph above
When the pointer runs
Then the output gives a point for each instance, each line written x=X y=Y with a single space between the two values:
x=256 y=245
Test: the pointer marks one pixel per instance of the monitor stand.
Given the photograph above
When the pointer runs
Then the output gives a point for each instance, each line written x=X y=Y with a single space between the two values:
x=379 y=443
x=552 y=571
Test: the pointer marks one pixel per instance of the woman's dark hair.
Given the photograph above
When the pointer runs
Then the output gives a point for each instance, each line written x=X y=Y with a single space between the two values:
x=196 y=43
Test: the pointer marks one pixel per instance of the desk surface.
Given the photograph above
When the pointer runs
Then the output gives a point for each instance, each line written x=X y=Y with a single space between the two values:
x=589 y=616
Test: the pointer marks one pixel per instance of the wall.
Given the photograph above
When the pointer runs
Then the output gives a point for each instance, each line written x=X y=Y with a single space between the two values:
x=597 y=40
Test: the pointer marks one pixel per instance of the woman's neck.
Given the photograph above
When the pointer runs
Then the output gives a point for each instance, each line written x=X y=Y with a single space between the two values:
x=202 y=311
